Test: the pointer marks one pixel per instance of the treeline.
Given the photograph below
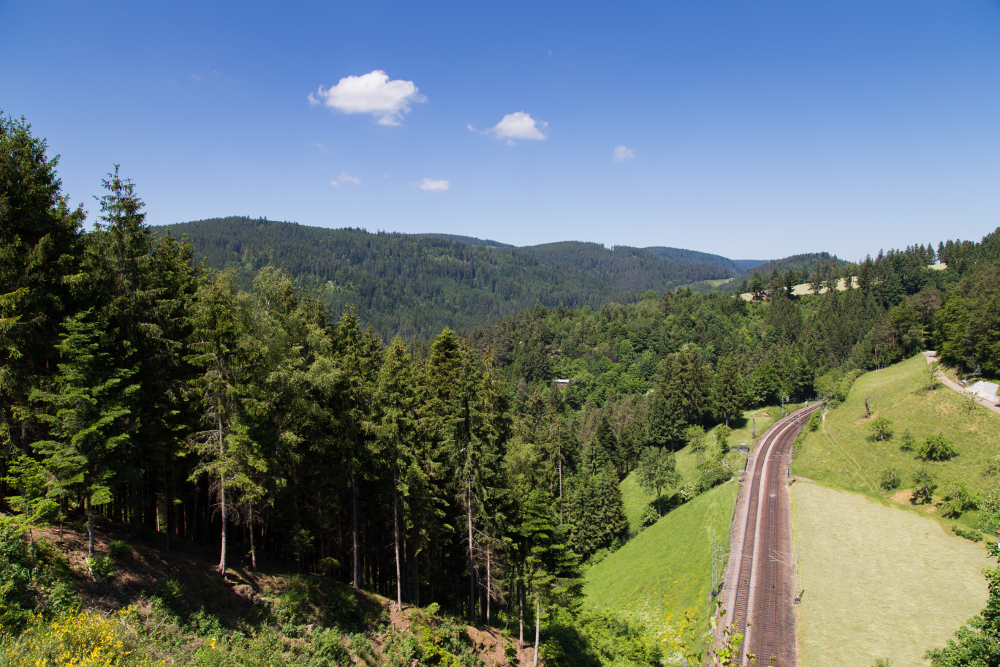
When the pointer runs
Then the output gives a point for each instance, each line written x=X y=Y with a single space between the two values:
x=141 y=389
x=416 y=285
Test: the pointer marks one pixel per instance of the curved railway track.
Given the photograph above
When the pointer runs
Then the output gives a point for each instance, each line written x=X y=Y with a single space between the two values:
x=763 y=578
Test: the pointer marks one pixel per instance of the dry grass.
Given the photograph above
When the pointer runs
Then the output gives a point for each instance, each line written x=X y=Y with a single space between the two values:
x=879 y=581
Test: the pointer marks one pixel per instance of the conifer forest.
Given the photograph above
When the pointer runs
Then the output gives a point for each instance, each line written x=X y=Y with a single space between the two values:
x=145 y=387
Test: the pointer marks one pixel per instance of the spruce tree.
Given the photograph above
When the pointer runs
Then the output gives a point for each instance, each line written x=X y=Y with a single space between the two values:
x=85 y=410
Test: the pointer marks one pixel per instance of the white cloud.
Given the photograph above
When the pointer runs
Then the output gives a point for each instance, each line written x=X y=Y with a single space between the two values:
x=430 y=185
x=518 y=126
x=345 y=178
x=622 y=154
x=372 y=93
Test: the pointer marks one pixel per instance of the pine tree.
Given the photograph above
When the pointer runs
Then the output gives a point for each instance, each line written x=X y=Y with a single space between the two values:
x=86 y=413
x=728 y=390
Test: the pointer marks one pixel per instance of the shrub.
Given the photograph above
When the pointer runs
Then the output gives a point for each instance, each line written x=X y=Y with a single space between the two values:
x=85 y=639
x=119 y=550
x=712 y=476
x=102 y=566
x=170 y=592
x=923 y=486
x=688 y=492
x=907 y=443
x=881 y=428
x=510 y=652
x=973 y=535
x=992 y=467
x=959 y=498
x=813 y=424
x=937 y=448
x=648 y=517
x=888 y=479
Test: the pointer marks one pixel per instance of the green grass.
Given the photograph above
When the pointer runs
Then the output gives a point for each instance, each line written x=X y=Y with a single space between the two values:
x=667 y=569
x=879 y=581
x=842 y=453
x=688 y=460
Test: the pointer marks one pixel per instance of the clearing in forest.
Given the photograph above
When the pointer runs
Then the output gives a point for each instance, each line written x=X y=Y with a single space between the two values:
x=667 y=569
x=879 y=581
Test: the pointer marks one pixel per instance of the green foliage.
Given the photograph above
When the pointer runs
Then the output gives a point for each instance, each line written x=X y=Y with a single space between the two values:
x=923 y=486
x=657 y=471
x=119 y=550
x=936 y=448
x=881 y=428
x=102 y=566
x=416 y=285
x=989 y=511
x=34 y=578
x=979 y=642
x=814 y=421
x=958 y=499
x=907 y=443
x=973 y=535
x=889 y=479
x=648 y=517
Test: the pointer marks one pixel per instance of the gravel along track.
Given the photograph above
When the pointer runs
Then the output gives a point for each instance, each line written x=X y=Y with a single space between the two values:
x=760 y=583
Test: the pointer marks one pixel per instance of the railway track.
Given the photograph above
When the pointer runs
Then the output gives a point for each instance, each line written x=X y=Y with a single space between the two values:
x=763 y=579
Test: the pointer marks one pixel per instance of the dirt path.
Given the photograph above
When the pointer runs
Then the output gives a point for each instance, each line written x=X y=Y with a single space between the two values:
x=931 y=356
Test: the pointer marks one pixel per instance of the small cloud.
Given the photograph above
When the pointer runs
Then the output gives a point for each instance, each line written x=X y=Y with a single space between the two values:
x=518 y=126
x=322 y=148
x=345 y=178
x=430 y=185
x=372 y=93
x=622 y=154
x=214 y=74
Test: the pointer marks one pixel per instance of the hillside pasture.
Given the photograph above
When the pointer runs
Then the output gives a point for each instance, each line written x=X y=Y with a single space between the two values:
x=667 y=569
x=878 y=581
x=844 y=454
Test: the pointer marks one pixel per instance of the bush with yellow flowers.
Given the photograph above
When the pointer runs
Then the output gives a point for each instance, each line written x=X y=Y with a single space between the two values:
x=85 y=639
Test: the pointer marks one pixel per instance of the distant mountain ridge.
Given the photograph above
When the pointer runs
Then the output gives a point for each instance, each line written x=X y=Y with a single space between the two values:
x=414 y=285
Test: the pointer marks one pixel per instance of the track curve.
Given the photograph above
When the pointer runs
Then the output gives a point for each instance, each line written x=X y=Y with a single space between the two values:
x=759 y=578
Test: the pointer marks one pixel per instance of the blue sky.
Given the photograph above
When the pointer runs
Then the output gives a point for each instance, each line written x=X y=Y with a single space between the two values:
x=754 y=130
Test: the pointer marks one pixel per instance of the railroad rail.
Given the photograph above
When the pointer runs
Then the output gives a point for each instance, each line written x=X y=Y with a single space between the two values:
x=762 y=581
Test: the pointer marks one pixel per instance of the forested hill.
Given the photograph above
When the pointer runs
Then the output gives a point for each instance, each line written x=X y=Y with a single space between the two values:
x=416 y=285
x=681 y=256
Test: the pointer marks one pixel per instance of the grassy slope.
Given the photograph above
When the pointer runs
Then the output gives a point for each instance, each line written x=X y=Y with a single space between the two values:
x=667 y=568
x=842 y=454
x=874 y=575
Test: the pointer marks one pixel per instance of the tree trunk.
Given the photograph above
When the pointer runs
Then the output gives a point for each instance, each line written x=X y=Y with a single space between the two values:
x=489 y=584
x=520 y=614
x=354 y=532
x=90 y=528
x=253 y=547
x=538 y=622
x=222 y=502
x=395 y=521
x=166 y=508
x=559 y=451
x=472 y=571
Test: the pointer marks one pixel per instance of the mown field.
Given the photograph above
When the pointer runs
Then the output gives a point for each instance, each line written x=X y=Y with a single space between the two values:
x=844 y=454
x=878 y=581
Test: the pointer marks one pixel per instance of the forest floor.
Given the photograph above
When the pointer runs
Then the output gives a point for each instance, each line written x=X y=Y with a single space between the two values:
x=873 y=576
x=189 y=571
